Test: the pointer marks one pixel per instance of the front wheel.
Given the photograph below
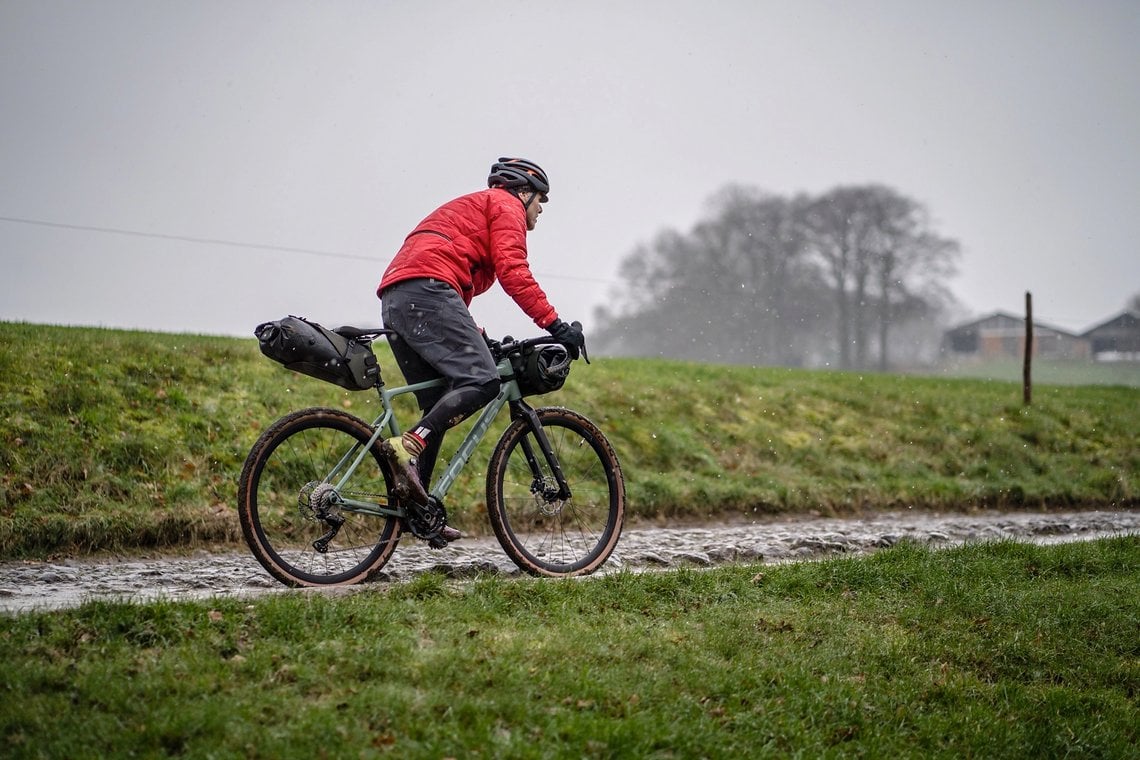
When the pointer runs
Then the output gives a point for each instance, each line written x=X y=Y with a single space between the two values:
x=295 y=501
x=541 y=532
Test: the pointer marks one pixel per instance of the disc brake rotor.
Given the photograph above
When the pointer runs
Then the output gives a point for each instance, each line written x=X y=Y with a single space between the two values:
x=546 y=497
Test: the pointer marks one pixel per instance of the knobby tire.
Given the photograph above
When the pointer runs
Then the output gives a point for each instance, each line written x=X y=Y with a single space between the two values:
x=275 y=505
x=543 y=535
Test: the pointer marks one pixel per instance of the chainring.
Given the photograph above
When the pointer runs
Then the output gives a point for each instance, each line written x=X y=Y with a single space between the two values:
x=425 y=521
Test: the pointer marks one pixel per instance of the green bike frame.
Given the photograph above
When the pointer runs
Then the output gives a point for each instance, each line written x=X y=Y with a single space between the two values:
x=386 y=425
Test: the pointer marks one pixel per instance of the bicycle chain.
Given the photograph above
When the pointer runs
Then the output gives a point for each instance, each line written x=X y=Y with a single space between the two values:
x=424 y=521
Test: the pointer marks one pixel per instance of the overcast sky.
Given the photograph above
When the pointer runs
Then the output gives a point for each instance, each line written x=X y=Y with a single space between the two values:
x=158 y=158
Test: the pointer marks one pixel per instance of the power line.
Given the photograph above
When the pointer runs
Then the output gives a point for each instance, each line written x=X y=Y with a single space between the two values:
x=548 y=276
x=236 y=244
x=188 y=239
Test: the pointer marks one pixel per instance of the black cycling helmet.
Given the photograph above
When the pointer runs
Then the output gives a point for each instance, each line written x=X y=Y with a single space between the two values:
x=517 y=173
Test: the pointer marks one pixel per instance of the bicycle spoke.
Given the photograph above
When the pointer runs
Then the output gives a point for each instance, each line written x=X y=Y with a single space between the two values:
x=289 y=503
x=543 y=533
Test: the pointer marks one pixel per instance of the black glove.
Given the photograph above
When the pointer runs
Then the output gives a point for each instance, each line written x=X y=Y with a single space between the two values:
x=569 y=335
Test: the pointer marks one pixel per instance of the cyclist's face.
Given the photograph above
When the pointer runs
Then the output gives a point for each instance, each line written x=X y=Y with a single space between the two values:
x=533 y=209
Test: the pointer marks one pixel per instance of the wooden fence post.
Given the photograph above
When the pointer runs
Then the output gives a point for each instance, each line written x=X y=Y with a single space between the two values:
x=1026 y=377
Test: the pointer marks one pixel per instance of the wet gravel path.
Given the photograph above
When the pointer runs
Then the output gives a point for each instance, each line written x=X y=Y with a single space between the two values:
x=28 y=586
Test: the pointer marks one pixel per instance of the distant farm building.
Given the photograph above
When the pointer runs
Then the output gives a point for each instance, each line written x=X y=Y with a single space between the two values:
x=1002 y=336
x=1118 y=338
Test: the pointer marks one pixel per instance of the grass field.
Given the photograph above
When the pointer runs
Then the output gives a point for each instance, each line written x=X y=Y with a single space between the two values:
x=987 y=650
x=115 y=440
x=1049 y=372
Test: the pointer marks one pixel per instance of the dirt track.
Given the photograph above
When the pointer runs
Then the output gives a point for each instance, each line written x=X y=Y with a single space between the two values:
x=51 y=585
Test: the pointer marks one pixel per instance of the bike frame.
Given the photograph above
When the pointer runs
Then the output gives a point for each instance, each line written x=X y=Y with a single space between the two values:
x=386 y=422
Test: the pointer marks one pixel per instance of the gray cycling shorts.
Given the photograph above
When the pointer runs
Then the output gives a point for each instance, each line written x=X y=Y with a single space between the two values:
x=436 y=336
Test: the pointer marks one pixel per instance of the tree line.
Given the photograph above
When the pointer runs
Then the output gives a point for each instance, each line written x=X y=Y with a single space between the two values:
x=847 y=278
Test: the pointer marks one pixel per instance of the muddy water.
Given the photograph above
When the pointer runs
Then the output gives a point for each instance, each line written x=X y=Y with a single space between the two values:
x=27 y=586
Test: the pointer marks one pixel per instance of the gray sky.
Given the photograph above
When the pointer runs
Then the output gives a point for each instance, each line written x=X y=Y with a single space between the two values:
x=334 y=127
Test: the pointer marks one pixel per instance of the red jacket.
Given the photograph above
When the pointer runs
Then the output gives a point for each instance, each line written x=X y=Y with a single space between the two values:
x=468 y=243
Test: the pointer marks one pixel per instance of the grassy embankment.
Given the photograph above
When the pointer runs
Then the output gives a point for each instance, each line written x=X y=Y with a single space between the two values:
x=114 y=440
x=992 y=650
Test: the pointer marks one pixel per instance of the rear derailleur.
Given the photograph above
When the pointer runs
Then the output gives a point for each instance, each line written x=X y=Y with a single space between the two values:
x=319 y=503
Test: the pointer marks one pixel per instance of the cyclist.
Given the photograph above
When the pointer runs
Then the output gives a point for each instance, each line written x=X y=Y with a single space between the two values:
x=453 y=255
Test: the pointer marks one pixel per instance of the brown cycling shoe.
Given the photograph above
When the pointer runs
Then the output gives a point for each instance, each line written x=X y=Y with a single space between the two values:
x=448 y=533
x=404 y=471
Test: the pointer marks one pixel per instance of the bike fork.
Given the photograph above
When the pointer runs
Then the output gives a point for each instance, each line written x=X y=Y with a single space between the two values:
x=521 y=410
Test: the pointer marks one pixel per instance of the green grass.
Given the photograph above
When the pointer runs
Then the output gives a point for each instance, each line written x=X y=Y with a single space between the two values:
x=987 y=650
x=114 y=440
x=1049 y=371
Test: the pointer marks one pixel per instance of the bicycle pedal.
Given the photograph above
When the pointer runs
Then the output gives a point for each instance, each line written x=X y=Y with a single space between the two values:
x=438 y=542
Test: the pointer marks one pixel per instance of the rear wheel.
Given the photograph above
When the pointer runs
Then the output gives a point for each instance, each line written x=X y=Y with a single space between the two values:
x=541 y=532
x=291 y=501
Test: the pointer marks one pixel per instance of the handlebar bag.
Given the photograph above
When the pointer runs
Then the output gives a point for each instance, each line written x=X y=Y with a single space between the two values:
x=541 y=369
x=306 y=347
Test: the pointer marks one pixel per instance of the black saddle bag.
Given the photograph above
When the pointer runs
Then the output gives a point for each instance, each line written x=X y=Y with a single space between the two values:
x=312 y=350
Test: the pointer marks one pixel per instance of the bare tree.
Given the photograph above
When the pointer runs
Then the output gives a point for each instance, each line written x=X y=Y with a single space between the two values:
x=881 y=259
x=910 y=262
x=760 y=277
x=738 y=288
x=840 y=228
x=764 y=272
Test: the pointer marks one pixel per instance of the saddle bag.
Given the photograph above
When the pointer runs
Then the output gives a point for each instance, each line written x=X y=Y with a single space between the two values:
x=306 y=347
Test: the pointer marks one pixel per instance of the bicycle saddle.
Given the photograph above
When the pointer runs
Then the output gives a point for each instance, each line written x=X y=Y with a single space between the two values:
x=347 y=331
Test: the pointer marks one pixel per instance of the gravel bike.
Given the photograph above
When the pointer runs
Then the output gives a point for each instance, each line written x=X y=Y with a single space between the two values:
x=319 y=506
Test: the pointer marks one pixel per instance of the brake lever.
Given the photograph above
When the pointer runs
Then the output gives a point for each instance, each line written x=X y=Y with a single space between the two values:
x=585 y=355
x=502 y=348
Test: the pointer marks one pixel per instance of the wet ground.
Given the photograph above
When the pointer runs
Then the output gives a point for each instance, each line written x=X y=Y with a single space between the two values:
x=27 y=586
